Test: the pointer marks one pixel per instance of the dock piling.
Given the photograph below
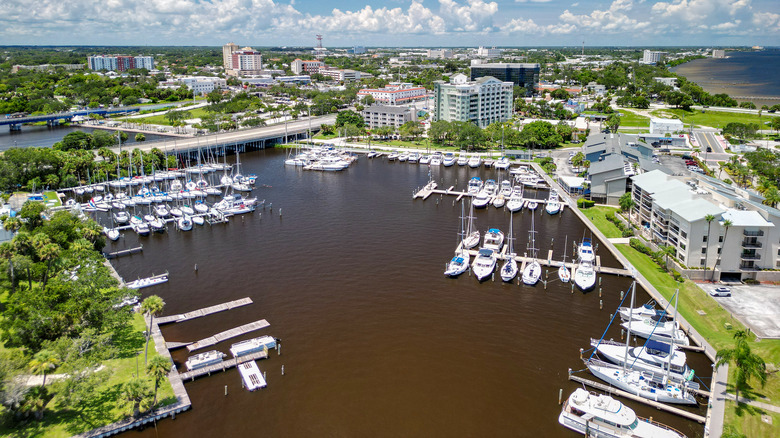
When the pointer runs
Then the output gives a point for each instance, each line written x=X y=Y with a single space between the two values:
x=225 y=389
x=560 y=395
x=601 y=304
x=282 y=369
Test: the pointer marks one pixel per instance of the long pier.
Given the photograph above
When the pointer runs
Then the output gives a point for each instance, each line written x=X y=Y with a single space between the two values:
x=227 y=334
x=204 y=311
x=224 y=365
x=129 y=251
x=655 y=404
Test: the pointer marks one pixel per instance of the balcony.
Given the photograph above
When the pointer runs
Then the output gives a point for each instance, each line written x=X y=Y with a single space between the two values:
x=750 y=256
x=758 y=233
x=751 y=244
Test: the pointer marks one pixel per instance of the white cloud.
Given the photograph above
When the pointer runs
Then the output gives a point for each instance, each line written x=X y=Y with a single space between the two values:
x=533 y=1
x=767 y=20
x=612 y=20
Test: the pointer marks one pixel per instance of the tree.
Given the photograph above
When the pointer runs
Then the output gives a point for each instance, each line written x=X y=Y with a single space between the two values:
x=540 y=134
x=772 y=197
x=709 y=218
x=44 y=361
x=626 y=202
x=135 y=392
x=410 y=129
x=368 y=100
x=140 y=137
x=48 y=253
x=577 y=159
x=613 y=122
x=350 y=117
x=158 y=368
x=151 y=306
x=726 y=224
x=748 y=365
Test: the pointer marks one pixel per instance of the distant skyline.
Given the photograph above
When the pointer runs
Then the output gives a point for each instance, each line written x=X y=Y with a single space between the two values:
x=391 y=23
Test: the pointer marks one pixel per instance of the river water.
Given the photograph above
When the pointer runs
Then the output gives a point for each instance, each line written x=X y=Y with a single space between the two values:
x=45 y=136
x=347 y=269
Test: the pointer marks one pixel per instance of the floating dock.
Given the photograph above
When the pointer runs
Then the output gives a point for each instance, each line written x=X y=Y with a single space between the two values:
x=222 y=366
x=232 y=333
x=250 y=373
x=120 y=253
x=655 y=404
x=204 y=312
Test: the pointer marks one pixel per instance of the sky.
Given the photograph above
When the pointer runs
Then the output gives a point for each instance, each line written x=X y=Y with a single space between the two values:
x=391 y=23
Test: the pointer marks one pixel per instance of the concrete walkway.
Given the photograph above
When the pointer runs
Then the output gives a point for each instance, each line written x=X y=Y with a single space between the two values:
x=620 y=240
x=755 y=403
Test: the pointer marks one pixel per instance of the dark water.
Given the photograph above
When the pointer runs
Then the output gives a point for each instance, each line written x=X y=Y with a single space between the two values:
x=44 y=136
x=741 y=74
x=377 y=342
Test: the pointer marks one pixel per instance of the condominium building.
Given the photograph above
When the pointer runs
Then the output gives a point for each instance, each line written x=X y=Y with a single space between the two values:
x=246 y=61
x=146 y=62
x=344 y=74
x=119 y=63
x=227 y=55
x=652 y=57
x=740 y=241
x=310 y=67
x=375 y=116
x=524 y=75
x=395 y=93
x=488 y=52
x=439 y=54
x=718 y=54
x=484 y=101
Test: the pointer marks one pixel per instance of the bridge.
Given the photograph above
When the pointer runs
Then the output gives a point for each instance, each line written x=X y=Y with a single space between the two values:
x=15 y=123
x=241 y=140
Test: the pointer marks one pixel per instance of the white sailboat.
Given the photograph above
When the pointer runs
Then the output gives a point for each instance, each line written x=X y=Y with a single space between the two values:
x=509 y=270
x=563 y=272
x=471 y=239
x=533 y=270
x=653 y=356
x=460 y=262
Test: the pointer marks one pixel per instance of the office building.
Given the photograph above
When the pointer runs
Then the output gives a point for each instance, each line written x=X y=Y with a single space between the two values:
x=375 y=116
x=227 y=55
x=652 y=57
x=484 y=101
x=344 y=74
x=661 y=126
x=309 y=67
x=522 y=75
x=598 y=146
x=439 y=54
x=488 y=52
x=395 y=93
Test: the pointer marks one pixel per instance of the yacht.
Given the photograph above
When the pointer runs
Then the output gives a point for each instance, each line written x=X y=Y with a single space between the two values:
x=474 y=161
x=653 y=356
x=403 y=157
x=601 y=416
x=515 y=202
x=201 y=360
x=499 y=201
x=585 y=276
x=462 y=160
x=652 y=386
x=449 y=159
x=392 y=156
x=505 y=188
x=141 y=228
x=121 y=217
x=425 y=159
x=414 y=157
x=586 y=253
x=491 y=187
x=553 y=203
x=484 y=264
x=494 y=239
x=502 y=163
x=481 y=200
x=645 y=311
x=436 y=159
x=475 y=185
x=529 y=180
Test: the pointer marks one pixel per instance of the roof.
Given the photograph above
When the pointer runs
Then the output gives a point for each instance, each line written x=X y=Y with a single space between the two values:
x=696 y=209
x=653 y=181
x=389 y=109
x=608 y=164
x=671 y=194
x=506 y=65
x=745 y=218
x=666 y=121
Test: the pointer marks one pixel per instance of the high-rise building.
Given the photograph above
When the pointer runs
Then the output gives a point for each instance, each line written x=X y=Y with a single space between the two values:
x=227 y=55
x=652 y=57
x=100 y=62
x=718 y=54
x=146 y=62
x=119 y=63
x=440 y=54
x=522 y=75
x=246 y=60
x=484 y=101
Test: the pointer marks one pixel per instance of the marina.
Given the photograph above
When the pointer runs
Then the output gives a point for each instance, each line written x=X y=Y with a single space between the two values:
x=222 y=366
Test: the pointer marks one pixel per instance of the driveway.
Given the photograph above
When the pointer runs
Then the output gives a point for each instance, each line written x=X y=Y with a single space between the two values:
x=756 y=306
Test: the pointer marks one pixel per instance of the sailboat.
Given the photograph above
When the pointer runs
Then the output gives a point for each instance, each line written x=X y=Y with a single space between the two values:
x=649 y=385
x=509 y=270
x=460 y=262
x=471 y=238
x=533 y=270
x=563 y=272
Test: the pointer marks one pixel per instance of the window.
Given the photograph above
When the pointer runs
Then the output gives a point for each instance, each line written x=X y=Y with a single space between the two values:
x=684 y=234
x=720 y=239
x=704 y=250
x=704 y=262
x=682 y=246
x=718 y=250
x=704 y=239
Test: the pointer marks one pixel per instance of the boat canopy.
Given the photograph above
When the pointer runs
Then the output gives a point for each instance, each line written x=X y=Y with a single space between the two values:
x=658 y=346
x=494 y=230
x=484 y=252
x=457 y=260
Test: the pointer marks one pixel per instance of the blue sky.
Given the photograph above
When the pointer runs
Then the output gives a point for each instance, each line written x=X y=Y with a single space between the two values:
x=391 y=22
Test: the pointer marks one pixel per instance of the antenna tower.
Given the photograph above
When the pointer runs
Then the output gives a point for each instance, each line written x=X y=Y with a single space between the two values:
x=319 y=41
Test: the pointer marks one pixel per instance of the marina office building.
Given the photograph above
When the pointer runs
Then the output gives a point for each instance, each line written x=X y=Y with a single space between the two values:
x=742 y=242
x=484 y=101
x=524 y=75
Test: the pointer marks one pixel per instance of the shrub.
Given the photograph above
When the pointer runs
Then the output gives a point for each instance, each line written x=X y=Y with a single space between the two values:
x=585 y=203
x=628 y=233
x=639 y=246
x=751 y=281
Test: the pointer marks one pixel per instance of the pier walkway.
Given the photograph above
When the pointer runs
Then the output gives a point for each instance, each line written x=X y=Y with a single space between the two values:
x=227 y=334
x=204 y=311
x=222 y=366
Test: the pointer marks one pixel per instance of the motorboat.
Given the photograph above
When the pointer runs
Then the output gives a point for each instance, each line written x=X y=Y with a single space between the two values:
x=176 y=212
x=403 y=157
x=491 y=187
x=585 y=251
x=162 y=211
x=488 y=162
x=392 y=156
x=494 y=239
x=505 y=188
x=198 y=220
x=449 y=159
x=481 y=200
x=585 y=276
x=658 y=328
x=653 y=356
x=649 y=385
x=201 y=360
x=499 y=201
x=436 y=160
x=553 y=203
x=645 y=311
x=462 y=160
x=146 y=282
x=475 y=185
x=484 y=263
x=602 y=416
x=184 y=223
x=142 y=228
x=263 y=343
x=515 y=202
x=425 y=159
x=532 y=205
x=157 y=225
x=121 y=217
x=474 y=161
x=502 y=163
x=414 y=157
x=112 y=234
x=457 y=265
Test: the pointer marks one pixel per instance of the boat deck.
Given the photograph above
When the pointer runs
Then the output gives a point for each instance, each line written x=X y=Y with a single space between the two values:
x=219 y=337
x=222 y=366
x=251 y=375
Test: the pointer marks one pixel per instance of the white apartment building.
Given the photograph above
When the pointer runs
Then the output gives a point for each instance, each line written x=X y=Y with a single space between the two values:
x=395 y=93
x=484 y=101
x=718 y=54
x=227 y=55
x=146 y=62
x=665 y=126
x=741 y=241
x=344 y=74
x=375 y=116
x=198 y=84
x=652 y=57
x=300 y=66
x=439 y=54
x=246 y=60
x=488 y=52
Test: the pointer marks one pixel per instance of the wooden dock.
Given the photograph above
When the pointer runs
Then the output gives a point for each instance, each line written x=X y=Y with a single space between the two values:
x=655 y=404
x=120 y=253
x=203 y=312
x=426 y=192
x=224 y=365
x=219 y=337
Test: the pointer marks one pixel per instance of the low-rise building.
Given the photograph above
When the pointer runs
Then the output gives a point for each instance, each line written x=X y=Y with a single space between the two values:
x=199 y=85
x=665 y=126
x=395 y=93
x=598 y=146
x=671 y=82
x=310 y=67
x=343 y=75
x=609 y=179
x=46 y=67
x=375 y=116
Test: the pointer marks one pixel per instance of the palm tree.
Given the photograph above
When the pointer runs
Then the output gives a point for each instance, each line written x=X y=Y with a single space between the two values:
x=140 y=137
x=772 y=196
x=7 y=252
x=747 y=364
x=48 y=254
x=709 y=218
x=158 y=368
x=43 y=361
x=135 y=392
x=151 y=306
x=727 y=223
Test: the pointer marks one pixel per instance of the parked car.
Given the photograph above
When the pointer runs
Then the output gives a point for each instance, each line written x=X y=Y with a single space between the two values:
x=721 y=292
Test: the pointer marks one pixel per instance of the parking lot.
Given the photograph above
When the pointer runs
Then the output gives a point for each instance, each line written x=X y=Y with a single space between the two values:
x=756 y=306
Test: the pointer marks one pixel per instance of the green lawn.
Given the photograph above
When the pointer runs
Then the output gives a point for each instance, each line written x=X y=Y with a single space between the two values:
x=161 y=120
x=747 y=420
x=630 y=118
x=712 y=118
x=102 y=409
x=597 y=215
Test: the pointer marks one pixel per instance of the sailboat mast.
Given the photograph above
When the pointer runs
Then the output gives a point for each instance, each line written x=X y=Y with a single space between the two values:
x=674 y=332
x=630 y=320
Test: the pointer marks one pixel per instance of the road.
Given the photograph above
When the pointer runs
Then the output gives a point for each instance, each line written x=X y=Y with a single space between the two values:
x=240 y=136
